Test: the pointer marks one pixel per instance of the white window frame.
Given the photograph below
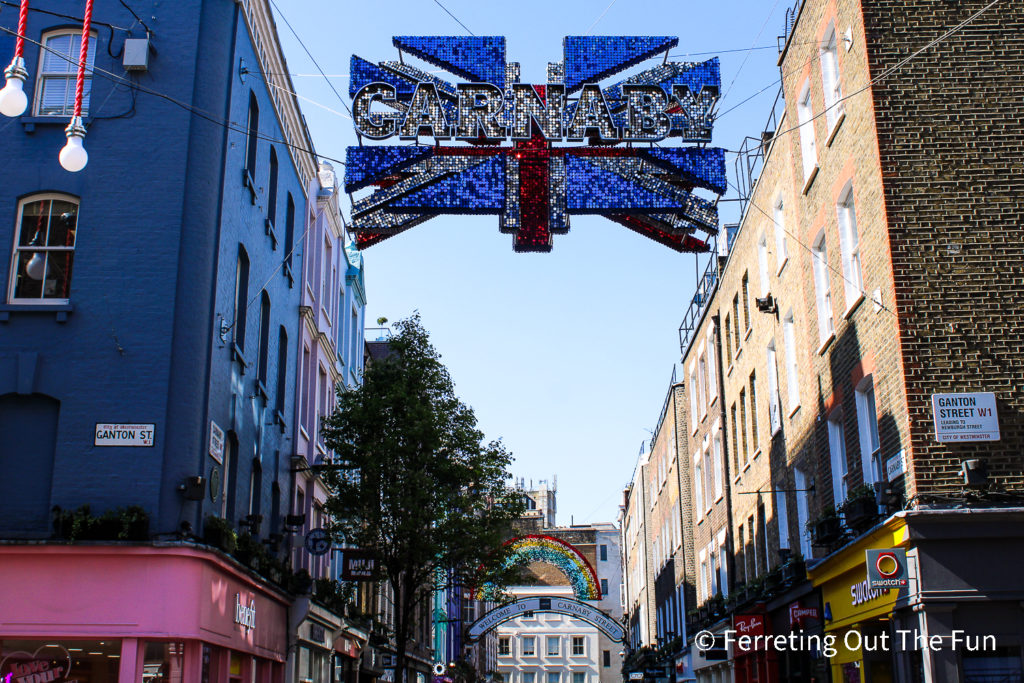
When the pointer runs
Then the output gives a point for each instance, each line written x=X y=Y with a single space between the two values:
x=712 y=384
x=803 y=516
x=779 y=220
x=43 y=248
x=698 y=481
x=717 y=456
x=583 y=646
x=702 y=378
x=774 y=401
x=505 y=651
x=782 y=518
x=822 y=289
x=837 y=456
x=867 y=424
x=830 y=80
x=703 y=576
x=532 y=650
x=792 y=371
x=805 y=121
x=553 y=651
x=579 y=676
x=723 y=565
x=693 y=396
x=709 y=474
x=69 y=75
x=849 y=246
x=529 y=677
x=553 y=677
x=762 y=263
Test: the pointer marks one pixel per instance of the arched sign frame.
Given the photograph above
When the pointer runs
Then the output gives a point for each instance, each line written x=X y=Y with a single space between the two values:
x=599 y=619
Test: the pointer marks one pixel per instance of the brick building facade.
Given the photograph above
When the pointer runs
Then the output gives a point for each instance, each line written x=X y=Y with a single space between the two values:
x=877 y=264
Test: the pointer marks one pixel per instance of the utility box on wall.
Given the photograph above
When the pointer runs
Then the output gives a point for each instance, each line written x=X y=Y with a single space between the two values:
x=136 y=54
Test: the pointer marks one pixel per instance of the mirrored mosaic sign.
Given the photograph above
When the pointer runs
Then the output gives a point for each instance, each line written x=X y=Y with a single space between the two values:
x=534 y=155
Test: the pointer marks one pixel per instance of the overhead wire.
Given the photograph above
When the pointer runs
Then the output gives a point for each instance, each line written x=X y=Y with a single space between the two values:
x=311 y=57
x=747 y=55
x=884 y=74
x=212 y=118
x=438 y=3
x=841 y=274
x=598 y=20
x=892 y=69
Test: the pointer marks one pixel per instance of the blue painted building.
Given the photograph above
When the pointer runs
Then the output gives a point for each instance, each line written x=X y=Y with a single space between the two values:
x=149 y=322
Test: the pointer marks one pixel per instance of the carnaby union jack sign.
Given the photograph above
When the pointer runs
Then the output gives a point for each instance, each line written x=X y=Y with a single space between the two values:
x=534 y=155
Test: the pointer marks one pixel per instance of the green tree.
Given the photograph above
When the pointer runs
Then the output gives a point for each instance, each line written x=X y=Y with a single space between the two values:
x=414 y=482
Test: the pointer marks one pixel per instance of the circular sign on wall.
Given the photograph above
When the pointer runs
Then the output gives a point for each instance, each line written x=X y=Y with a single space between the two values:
x=214 y=483
x=317 y=542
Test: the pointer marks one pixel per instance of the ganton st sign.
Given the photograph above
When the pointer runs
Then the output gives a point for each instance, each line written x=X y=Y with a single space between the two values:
x=573 y=608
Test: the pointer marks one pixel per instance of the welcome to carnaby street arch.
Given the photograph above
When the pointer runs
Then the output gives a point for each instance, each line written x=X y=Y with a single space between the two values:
x=506 y=148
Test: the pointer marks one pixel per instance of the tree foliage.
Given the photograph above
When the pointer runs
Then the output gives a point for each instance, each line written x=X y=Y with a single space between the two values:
x=414 y=481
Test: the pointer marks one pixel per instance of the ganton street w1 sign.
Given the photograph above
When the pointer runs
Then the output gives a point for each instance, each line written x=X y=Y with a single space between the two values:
x=965 y=417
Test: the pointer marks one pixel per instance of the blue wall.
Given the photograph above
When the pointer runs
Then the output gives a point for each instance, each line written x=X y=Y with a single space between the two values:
x=163 y=210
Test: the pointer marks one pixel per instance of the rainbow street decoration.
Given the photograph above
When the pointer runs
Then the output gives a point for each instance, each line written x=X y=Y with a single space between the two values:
x=535 y=155
x=562 y=555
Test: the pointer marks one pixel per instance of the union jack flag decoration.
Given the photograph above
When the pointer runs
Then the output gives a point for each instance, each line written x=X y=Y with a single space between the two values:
x=506 y=162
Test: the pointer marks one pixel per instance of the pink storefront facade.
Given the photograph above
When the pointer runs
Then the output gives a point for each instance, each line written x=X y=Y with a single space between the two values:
x=136 y=614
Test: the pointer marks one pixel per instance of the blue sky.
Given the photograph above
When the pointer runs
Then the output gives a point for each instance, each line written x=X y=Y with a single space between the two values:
x=566 y=356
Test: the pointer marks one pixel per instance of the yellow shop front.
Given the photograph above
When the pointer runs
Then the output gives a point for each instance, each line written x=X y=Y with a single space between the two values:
x=858 y=620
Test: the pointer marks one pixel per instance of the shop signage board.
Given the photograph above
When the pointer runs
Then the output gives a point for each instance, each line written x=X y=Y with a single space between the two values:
x=358 y=565
x=684 y=669
x=751 y=625
x=245 y=615
x=887 y=568
x=965 y=417
x=574 y=608
x=50 y=663
x=799 y=614
x=895 y=466
x=536 y=154
x=216 y=442
x=121 y=434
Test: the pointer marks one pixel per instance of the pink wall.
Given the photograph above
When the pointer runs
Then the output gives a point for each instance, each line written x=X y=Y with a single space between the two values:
x=64 y=591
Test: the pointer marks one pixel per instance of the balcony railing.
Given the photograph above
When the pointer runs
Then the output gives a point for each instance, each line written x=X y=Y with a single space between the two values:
x=706 y=286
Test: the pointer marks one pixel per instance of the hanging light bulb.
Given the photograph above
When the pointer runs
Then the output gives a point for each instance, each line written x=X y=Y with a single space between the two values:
x=73 y=156
x=36 y=266
x=13 y=100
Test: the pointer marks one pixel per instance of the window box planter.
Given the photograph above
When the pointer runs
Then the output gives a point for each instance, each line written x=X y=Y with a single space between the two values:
x=827 y=529
x=794 y=571
x=218 y=533
x=860 y=512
